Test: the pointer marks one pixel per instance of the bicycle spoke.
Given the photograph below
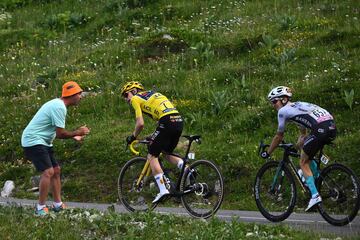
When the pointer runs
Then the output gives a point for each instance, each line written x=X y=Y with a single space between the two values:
x=206 y=185
x=136 y=197
x=275 y=192
x=339 y=189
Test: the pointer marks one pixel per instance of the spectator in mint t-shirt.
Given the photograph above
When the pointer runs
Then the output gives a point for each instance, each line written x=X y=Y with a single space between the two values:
x=48 y=124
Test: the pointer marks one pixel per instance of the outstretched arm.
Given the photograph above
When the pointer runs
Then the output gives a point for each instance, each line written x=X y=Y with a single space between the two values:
x=275 y=142
x=63 y=134
x=139 y=126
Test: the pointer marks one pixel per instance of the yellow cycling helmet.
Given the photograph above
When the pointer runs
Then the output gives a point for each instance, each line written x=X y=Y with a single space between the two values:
x=130 y=86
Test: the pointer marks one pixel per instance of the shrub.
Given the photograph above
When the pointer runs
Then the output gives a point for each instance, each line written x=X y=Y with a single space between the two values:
x=66 y=20
x=287 y=22
x=220 y=102
x=349 y=97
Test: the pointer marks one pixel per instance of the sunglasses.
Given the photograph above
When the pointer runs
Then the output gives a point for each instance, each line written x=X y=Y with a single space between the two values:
x=125 y=95
x=274 y=101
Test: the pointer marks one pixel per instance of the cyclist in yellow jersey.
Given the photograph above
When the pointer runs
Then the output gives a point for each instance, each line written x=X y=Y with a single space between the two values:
x=167 y=134
x=154 y=104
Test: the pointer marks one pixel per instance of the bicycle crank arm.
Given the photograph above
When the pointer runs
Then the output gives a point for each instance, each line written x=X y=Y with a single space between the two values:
x=197 y=187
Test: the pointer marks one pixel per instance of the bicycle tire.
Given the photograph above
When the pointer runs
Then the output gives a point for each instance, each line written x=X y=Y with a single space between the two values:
x=339 y=188
x=136 y=198
x=205 y=177
x=276 y=206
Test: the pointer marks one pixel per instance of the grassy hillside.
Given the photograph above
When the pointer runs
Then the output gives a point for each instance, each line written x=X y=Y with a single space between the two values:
x=217 y=60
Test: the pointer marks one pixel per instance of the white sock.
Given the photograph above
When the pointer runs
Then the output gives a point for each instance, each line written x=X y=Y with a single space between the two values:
x=57 y=204
x=39 y=207
x=180 y=164
x=160 y=182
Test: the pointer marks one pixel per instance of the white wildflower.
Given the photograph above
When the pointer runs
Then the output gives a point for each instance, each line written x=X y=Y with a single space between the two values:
x=168 y=37
x=5 y=16
x=249 y=234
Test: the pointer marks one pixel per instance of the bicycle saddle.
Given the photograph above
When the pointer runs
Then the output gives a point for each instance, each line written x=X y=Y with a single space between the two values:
x=192 y=137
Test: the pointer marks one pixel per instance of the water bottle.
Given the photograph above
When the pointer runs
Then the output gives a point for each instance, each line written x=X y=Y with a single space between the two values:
x=301 y=175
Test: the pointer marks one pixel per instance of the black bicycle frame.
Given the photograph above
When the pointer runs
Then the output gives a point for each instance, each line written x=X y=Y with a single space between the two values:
x=191 y=139
x=288 y=151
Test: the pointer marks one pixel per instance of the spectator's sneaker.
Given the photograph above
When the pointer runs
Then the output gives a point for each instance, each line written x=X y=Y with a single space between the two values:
x=42 y=212
x=313 y=202
x=58 y=209
x=160 y=196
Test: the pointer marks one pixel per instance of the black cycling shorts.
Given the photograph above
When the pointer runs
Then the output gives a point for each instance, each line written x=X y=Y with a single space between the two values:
x=41 y=156
x=167 y=134
x=322 y=134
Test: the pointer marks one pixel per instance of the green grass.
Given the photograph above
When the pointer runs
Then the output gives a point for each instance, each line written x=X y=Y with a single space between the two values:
x=91 y=224
x=216 y=60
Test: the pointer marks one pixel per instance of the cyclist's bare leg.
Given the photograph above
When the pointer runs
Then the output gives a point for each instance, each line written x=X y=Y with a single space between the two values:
x=158 y=174
x=310 y=181
x=305 y=164
x=173 y=159
x=154 y=164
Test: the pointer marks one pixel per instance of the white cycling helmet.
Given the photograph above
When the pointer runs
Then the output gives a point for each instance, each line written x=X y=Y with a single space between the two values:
x=279 y=92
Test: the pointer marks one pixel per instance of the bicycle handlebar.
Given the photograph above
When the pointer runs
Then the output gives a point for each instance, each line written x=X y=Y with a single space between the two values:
x=132 y=146
x=288 y=147
x=190 y=138
x=262 y=146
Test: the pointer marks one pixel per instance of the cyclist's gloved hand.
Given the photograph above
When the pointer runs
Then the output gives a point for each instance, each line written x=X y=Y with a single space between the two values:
x=265 y=155
x=130 y=139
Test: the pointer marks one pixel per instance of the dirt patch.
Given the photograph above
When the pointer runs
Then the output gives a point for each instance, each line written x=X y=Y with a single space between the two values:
x=158 y=47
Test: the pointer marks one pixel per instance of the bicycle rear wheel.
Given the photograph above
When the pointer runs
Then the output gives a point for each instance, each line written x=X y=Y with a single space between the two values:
x=339 y=189
x=275 y=193
x=136 y=197
x=205 y=186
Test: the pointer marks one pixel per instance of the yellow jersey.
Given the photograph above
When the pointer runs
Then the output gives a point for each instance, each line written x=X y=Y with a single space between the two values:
x=153 y=104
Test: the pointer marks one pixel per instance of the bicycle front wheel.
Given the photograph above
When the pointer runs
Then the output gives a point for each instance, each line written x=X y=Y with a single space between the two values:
x=339 y=189
x=136 y=197
x=203 y=188
x=275 y=191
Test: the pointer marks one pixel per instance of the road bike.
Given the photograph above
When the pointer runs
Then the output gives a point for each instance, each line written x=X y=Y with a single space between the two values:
x=199 y=185
x=275 y=189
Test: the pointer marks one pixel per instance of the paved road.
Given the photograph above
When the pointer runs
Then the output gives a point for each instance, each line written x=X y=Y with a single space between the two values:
x=309 y=222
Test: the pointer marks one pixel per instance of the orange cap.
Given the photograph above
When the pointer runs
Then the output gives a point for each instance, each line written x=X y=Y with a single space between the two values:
x=70 y=88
